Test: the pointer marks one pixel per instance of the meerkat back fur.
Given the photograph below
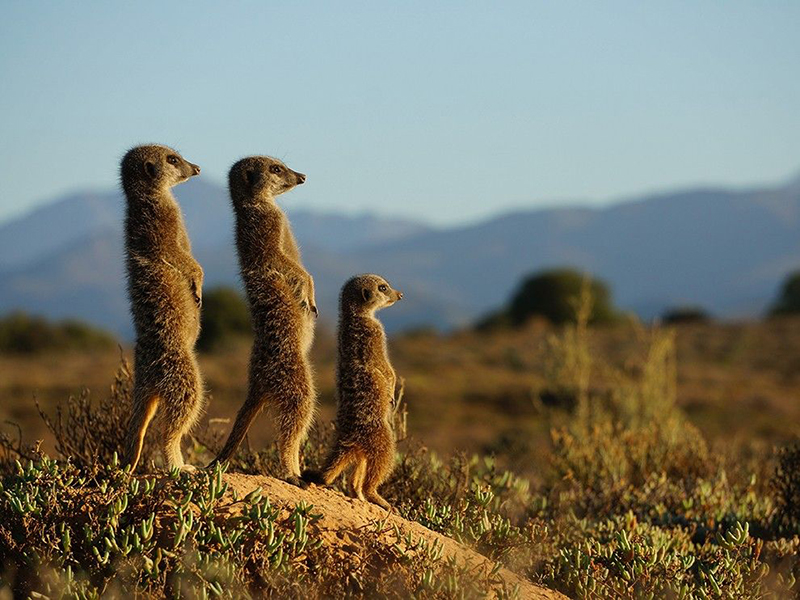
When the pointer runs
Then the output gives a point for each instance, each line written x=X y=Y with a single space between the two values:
x=165 y=289
x=366 y=385
x=281 y=296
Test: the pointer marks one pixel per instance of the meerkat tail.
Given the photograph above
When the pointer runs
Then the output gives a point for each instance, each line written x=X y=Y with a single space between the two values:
x=143 y=414
x=339 y=463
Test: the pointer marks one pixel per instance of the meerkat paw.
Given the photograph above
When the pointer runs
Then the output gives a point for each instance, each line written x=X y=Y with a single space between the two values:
x=188 y=469
x=296 y=481
x=380 y=501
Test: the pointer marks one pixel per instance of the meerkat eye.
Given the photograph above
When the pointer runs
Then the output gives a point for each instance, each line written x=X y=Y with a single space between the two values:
x=382 y=288
x=173 y=160
x=274 y=169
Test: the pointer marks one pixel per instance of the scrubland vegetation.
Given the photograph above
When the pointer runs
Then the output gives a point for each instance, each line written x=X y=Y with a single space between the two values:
x=788 y=301
x=607 y=461
x=21 y=333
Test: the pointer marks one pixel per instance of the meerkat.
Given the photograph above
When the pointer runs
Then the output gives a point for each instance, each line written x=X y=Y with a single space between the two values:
x=366 y=386
x=281 y=296
x=165 y=288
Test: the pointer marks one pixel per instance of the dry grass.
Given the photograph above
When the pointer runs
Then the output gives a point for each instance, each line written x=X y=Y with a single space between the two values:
x=737 y=382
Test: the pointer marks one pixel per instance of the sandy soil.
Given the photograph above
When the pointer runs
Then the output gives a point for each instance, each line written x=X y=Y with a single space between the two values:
x=345 y=521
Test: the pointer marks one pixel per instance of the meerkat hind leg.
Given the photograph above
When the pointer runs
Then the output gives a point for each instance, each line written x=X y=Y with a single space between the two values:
x=173 y=454
x=177 y=418
x=357 y=478
x=373 y=478
x=143 y=414
x=379 y=466
x=294 y=427
x=289 y=451
x=172 y=447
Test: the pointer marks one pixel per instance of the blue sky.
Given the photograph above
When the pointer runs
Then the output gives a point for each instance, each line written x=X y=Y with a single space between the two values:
x=445 y=111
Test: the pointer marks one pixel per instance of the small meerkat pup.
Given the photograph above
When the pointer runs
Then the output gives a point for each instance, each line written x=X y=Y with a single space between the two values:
x=165 y=288
x=366 y=383
x=281 y=296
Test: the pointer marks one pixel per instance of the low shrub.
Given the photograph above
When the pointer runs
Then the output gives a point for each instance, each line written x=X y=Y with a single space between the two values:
x=21 y=333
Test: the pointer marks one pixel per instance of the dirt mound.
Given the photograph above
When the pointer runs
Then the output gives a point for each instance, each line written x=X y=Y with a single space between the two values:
x=346 y=522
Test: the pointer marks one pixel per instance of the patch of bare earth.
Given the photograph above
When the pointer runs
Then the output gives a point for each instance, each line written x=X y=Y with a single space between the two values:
x=348 y=524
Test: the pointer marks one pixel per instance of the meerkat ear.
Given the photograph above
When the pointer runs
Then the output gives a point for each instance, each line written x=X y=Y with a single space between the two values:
x=367 y=294
x=251 y=177
x=150 y=169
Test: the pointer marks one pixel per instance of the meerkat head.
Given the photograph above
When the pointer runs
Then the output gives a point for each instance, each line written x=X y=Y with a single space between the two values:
x=156 y=167
x=369 y=293
x=262 y=177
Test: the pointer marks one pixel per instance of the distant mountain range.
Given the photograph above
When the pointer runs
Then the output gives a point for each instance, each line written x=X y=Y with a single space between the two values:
x=725 y=250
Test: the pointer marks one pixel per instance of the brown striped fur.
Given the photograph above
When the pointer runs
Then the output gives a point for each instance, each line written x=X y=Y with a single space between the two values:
x=366 y=385
x=282 y=304
x=165 y=288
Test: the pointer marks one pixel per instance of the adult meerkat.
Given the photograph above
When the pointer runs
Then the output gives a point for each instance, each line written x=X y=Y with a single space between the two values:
x=165 y=288
x=281 y=296
x=366 y=383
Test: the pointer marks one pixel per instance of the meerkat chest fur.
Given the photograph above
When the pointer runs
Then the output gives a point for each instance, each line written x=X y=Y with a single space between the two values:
x=363 y=354
x=155 y=229
x=288 y=241
x=267 y=250
x=156 y=238
x=258 y=238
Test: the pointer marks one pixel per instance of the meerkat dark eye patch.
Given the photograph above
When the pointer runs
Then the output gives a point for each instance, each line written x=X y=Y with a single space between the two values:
x=382 y=288
x=172 y=159
x=150 y=169
x=367 y=294
x=274 y=169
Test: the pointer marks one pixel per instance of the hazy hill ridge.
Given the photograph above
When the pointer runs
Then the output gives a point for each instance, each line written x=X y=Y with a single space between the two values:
x=726 y=250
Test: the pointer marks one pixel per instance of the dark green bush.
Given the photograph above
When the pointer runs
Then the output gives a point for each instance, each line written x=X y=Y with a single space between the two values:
x=553 y=295
x=685 y=314
x=498 y=319
x=225 y=318
x=21 y=333
x=789 y=297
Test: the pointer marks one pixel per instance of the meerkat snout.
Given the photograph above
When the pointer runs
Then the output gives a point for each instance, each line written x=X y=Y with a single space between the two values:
x=300 y=178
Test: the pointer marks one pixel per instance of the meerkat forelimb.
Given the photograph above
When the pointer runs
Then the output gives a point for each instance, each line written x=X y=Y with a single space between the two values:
x=366 y=387
x=283 y=307
x=165 y=288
